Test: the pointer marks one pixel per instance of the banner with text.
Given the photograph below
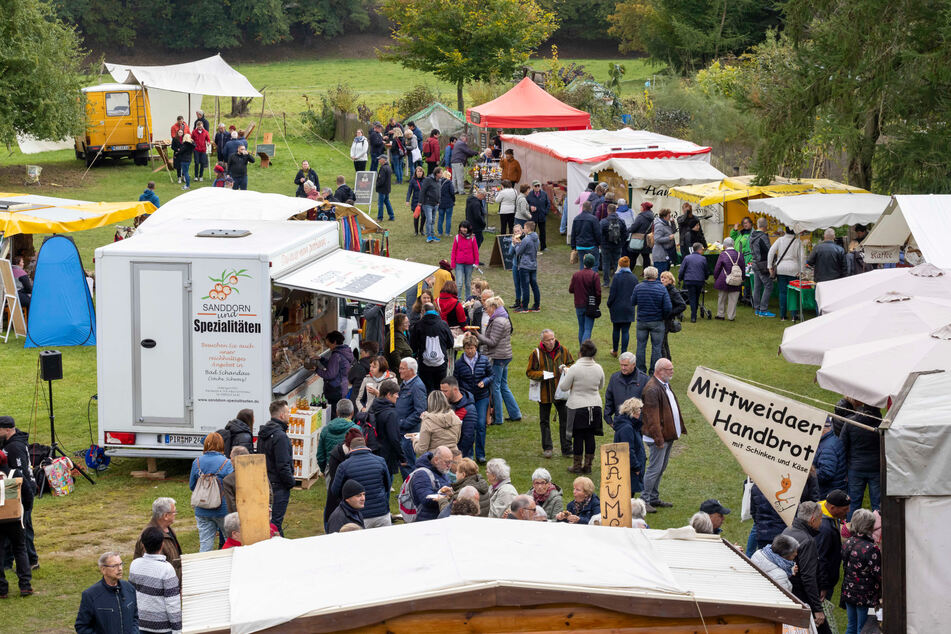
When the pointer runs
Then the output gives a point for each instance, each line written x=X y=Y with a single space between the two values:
x=774 y=438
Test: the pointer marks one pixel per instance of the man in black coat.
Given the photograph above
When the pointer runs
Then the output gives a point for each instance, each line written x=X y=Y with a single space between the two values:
x=827 y=259
x=15 y=457
x=539 y=205
x=344 y=193
x=383 y=414
x=350 y=510
x=586 y=235
x=276 y=447
x=238 y=167
x=475 y=214
x=829 y=541
x=108 y=606
x=862 y=456
x=643 y=224
x=626 y=383
x=804 y=530
x=377 y=145
x=384 y=184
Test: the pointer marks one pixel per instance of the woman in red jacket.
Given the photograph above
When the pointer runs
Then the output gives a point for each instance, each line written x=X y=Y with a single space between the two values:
x=450 y=308
x=465 y=255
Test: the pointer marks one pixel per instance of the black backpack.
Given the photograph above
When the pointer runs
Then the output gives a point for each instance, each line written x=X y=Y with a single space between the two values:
x=616 y=230
x=226 y=436
x=367 y=423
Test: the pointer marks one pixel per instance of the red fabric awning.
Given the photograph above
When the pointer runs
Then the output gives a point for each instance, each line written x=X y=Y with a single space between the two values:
x=528 y=106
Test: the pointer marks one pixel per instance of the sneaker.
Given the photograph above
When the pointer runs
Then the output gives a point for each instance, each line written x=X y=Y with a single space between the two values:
x=435 y=239
x=26 y=593
x=513 y=420
x=179 y=180
x=519 y=310
x=693 y=320
x=766 y=313
x=718 y=317
x=392 y=218
x=534 y=310
x=547 y=453
x=428 y=240
x=649 y=508
x=481 y=460
x=35 y=566
x=184 y=187
x=662 y=504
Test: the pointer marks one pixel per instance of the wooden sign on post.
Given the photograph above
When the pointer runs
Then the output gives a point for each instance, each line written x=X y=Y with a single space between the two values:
x=252 y=495
x=616 y=485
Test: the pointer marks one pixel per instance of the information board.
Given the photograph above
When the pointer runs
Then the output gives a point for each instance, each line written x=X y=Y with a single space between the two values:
x=363 y=188
x=501 y=252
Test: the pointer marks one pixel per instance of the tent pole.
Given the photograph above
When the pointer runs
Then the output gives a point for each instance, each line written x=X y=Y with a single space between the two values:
x=261 y=118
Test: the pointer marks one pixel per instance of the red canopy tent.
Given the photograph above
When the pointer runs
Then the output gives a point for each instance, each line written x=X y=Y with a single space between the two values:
x=527 y=105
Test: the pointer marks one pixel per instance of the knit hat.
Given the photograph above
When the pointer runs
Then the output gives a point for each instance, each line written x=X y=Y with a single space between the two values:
x=220 y=169
x=351 y=488
x=588 y=260
x=838 y=497
x=6 y=422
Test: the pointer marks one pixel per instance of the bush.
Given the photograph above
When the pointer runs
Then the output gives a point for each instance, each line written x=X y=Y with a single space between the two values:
x=481 y=92
x=384 y=113
x=319 y=121
x=415 y=99
x=342 y=98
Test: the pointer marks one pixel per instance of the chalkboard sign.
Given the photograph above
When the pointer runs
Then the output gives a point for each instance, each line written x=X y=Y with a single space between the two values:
x=501 y=252
x=265 y=148
x=363 y=188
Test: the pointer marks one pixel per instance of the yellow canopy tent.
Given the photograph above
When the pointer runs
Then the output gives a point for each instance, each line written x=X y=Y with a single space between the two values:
x=735 y=193
x=29 y=213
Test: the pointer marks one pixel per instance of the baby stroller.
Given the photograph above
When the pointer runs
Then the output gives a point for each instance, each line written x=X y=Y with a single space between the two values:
x=705 y=313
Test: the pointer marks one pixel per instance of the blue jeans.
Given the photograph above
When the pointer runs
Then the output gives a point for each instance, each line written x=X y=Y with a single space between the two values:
x=530 y=281
x=610 y=254
x=501 y=392
x=240 y=182
x=517 y=281
x=585 y=325
x=187 y=175
x=463 y=279
x=783 y=281
x=595 y=252
x=429 y=212
x=445 y=213
x=482 y=410
x=397 y=163
x=279 y=499
x=621 y=330
x=208 y=529
x=409 y=455
x=857 y=616
x=374 y=161
x=655 y=330
x=383 y=199
x=662 y=266
x=693 y=296
x=857 y=482
x=751 y=542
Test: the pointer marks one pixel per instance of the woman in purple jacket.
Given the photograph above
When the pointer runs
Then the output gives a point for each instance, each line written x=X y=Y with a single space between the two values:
x=729 y=294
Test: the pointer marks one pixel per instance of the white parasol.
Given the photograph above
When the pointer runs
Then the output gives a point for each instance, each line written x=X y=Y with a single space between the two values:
x=924 y=280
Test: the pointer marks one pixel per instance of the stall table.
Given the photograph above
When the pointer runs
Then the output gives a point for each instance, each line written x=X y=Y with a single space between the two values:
x=807 y=293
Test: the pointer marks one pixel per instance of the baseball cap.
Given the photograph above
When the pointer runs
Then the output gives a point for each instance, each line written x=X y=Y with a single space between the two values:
x=714 y=506
x=838 y=497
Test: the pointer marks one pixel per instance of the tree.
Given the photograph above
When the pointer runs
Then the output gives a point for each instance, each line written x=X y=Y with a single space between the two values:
x=462 y=42
x=869 y=77
x=39 y=73
x=689 y=34
x=581 y=19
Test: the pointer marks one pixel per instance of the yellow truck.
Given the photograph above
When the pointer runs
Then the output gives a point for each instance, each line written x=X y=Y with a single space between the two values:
x=117 y=124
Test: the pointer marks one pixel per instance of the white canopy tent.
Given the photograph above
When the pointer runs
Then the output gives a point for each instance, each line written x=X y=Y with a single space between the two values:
x=922 y=221
x=881 y=318
x=875 y=371
x=178 y=89
x=809 y=212
x=924 y=280
x=547 y=155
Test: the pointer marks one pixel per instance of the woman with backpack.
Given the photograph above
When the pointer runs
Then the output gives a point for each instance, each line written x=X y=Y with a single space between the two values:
x=728 y=279
x=208 y=471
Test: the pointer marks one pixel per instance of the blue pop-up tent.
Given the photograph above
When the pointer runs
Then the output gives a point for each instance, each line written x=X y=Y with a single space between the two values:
x=61 y=308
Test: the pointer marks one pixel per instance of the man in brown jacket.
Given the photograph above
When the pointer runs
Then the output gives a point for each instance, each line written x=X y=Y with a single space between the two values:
x=663 y=424
x=511 y=169
x=163 y=515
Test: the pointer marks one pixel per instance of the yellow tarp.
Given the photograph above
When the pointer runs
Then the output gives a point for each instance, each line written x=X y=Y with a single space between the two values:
x=739 y=187
x=59 y=215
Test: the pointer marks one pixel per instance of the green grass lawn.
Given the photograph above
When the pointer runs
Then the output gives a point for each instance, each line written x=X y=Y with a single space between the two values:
x=71 y=532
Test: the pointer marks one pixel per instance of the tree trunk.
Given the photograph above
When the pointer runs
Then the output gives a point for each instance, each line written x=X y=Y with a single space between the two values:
x=860 y=161
x=716 y=47
x=459 y=103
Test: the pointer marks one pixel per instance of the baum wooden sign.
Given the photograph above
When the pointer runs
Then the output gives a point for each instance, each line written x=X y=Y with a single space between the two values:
x=252 y=493
x=616 y=485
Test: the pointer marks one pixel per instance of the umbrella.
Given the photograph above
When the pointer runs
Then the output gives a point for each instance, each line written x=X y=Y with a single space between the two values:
x=890 y=315
x=874 y=372
x=924 y=280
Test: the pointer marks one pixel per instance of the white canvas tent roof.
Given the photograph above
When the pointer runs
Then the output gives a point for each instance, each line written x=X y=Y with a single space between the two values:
x=926 y=219
x=644 y=172
x=809 y=212
x=252 y=588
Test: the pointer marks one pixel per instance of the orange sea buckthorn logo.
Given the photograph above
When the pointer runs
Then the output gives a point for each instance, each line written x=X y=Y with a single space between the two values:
x=226 y=284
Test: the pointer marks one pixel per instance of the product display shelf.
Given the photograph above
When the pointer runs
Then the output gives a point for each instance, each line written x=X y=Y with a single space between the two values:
x=303 y=429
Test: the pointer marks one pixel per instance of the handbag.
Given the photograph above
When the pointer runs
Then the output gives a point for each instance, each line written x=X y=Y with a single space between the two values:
x=573 y=257
x=534 y=385
x=636 y=242
x=417 y=211
x=650 y=238
x=745 y=509
x=592 y=310
x=11 y=506
x=675 y=325
x=59 y=477
x=775 y=263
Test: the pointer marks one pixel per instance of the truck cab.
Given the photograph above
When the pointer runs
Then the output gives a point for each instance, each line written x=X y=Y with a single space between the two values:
x=117 y=124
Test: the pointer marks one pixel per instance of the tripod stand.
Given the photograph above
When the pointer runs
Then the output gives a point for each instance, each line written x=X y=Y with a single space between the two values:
x=54 y=445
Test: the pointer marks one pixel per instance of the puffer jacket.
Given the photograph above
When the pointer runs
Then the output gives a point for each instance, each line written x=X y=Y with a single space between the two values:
x=436 y=430
x=466 y=412
x=240 y=436
x=447 y=194
x=332 y=435
x=586 y=510
x=663 y=240
x=627 y=429
x=335 y=372
x=498 y=336
x=767 y=521
x=830 y=465
x=276 y=447
x=370 y=471
x=469 y=378
x=481 y=485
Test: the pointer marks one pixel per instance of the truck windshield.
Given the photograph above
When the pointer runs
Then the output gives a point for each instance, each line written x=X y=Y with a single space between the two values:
x=117 y=104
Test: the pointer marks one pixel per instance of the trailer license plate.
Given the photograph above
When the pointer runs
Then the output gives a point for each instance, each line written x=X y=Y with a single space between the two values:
x=121 y=147
x=182 y=439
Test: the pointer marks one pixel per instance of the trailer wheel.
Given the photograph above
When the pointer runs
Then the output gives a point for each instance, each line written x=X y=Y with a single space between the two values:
x=141 y=157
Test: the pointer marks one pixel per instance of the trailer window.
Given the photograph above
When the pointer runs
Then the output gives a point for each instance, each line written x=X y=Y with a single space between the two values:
x=117 y=104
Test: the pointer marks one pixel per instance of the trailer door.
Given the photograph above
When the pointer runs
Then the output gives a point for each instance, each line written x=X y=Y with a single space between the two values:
x=161 y=344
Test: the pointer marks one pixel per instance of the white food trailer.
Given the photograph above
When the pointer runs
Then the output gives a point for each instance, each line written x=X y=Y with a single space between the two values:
x=206 y=317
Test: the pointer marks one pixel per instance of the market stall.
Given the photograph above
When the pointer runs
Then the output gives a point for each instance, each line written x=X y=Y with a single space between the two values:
x=920 y=222
x=548 y=155
x=465 y=574
x=437 y=116
x=527 y=105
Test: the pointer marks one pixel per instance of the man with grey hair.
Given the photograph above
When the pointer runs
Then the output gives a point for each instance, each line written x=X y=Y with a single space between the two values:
x=467 y=492
x=544 y=366
x=652 y=302
x=98 y=607
x=522 y=508
x=410 y=405
x=827 y=259
x=762 y=281
x=804 y=529
x=628 y=382
x=163 y=516
x=429 y=482
x=777 y=559
x=663 y=424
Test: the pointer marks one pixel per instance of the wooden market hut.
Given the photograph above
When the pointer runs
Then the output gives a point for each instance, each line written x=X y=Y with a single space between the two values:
x=467 y=574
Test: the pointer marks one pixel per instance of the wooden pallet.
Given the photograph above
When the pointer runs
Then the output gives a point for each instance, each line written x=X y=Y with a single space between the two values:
x=306 y=483
x=152 y=474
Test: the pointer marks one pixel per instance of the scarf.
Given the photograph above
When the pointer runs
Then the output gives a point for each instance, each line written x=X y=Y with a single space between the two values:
x=540 y=499
x=783 y=564
x=553 y=353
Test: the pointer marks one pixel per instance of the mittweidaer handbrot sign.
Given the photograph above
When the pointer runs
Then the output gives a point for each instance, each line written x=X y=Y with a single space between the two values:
x=774 y=438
